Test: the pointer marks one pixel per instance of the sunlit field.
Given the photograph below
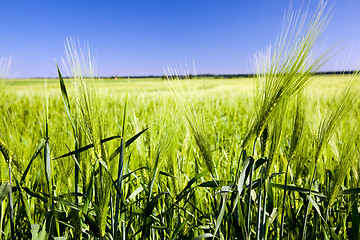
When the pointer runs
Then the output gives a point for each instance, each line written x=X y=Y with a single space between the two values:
x=169 y=189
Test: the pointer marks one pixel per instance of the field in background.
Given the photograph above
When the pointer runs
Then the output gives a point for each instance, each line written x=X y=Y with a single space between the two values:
x=320 y=83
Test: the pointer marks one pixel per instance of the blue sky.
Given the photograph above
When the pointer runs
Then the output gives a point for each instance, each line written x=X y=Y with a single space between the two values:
x=138 y=37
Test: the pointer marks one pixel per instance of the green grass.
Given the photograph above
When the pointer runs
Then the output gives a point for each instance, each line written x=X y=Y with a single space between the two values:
x=226 y=106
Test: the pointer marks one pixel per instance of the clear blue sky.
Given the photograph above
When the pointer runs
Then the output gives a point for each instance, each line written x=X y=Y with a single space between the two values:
x=138 y=37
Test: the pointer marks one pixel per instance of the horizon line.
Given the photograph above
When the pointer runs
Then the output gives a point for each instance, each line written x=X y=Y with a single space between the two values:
x=244 y=75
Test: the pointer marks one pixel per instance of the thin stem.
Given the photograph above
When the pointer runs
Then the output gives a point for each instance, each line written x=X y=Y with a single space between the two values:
x=266 y=186
x=258 y=232
x=11 y=209
x=76 y=176
x=119 y=185
x=249 y=197
x=284 y=199
x=308 y=204
x=238 y=168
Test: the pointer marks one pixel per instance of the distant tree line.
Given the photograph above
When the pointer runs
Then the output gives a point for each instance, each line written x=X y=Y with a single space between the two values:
x=215 y=76
x=219 y=76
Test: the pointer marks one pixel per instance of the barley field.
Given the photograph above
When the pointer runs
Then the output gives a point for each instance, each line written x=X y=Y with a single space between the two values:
x=179 y=175
x=270 y=157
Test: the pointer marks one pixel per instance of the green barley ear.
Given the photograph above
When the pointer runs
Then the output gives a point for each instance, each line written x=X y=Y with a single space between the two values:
x=195 y=119
x=5 y=152
x=275 y=136
x=328 y=125
x=342 y=107
x=202 y=143
x=263 y=140
x=297 y=130
x=286 y=68
x=297 y=127
x=80 y=65
x=346 y=159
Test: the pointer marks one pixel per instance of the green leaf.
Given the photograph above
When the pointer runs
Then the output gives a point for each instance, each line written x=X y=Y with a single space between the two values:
x=131 y=140
x=82 y=149
x=178 y=229
x=316 y=206
x=135 y=192
x=127 y=143
x=66 y=99
x=326 y=236
x=260 y=162
x=103 y=163
x=187 y=188
x=63 y=89
x=154 y=172
x=161 y=228
x=249 y=161
x=350 y=191
x=215 y=184
x=34 y=194
x=65 y=224
x=329 y=229
x=93 y=227
x=47 y=164
x=166 y=174
x=4 y=190
x=24 y=201
x=148 y=220
x=74 y=158
x=71 y=194
x=119 y=180
x=297 y=189
x=202 y=236
x=66 y=203
x=151 y=205
x=275 y=174
x=224 y=192
x=36 y=153
x=244 y=173
x=129 y=174
x=36 y=235
x=272 y=217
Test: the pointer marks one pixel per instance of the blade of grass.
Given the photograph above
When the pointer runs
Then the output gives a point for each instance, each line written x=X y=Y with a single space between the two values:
x=4 y=190
x=224 y=192
x=65 y=98
x=127 y=143
x=82 y=149
x=36 y=153
x=202 y=236
x=119 y=185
